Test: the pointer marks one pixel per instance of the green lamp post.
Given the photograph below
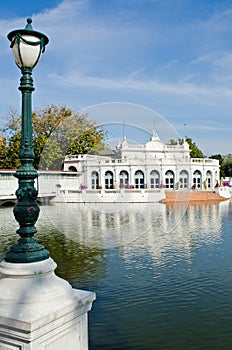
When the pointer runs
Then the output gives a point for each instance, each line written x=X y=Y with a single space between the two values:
x=27 y=46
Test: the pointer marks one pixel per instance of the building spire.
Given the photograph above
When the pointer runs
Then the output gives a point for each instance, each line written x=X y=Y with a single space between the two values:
x=185 y=134
x=123 y=131
x=154 y=133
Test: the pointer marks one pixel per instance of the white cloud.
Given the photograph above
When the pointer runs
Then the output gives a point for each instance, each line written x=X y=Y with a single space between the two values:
x=75 y=79
x=179 y=66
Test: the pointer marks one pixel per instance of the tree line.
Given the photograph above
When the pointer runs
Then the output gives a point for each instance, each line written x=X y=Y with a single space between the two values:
x=57 y=132
x=225 y=161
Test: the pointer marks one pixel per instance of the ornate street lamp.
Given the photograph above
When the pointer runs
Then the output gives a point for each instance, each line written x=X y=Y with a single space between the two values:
x=38 y=302
x=28 y=46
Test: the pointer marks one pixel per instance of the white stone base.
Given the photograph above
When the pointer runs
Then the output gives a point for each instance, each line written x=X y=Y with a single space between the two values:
x=40 y=311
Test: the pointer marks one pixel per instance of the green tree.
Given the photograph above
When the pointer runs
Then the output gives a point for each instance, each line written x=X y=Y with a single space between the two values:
x=3 y=152
x=10 y=141
x=86 y=141
x=57 y=131
x=195 y=152
x=218 y=157
x=12 y=158
x=172 y=142
x=221 y=161
x=226 y=167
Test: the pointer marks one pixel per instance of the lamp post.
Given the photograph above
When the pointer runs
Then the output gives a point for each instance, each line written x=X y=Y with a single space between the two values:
x=27 y=46
x=38 y=309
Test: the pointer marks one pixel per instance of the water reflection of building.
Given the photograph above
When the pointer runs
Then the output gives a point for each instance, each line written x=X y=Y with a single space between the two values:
x=154 y=227
x=150 y=166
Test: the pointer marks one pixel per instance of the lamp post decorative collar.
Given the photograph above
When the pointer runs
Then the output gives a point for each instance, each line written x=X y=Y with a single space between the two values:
x=27 y=46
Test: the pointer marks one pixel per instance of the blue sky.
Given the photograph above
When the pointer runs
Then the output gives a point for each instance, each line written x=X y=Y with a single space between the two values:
x=173 y=57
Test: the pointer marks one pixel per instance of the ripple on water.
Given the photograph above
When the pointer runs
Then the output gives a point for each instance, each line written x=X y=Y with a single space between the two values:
x=163 y=281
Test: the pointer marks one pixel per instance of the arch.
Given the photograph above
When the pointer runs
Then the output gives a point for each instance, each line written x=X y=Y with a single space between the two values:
x=154 y=179
x=197 y=179
x=109 y=180
x=209 y=179
x=95 y=180
x=123 y=179
x=139 y=179
x=72 y=168
x=169 y=179
x=184 y=179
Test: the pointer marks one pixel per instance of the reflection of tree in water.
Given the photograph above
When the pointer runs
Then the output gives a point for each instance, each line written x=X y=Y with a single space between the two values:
x=77 y=263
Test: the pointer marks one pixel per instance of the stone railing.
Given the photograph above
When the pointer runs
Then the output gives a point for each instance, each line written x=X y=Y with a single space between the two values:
x=205 y=161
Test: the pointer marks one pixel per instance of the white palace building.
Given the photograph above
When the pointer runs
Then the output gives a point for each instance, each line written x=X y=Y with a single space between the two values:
x=133 y=173
x=148 y=167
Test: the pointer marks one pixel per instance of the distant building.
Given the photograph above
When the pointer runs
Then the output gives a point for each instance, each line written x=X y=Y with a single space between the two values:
x=153 y=165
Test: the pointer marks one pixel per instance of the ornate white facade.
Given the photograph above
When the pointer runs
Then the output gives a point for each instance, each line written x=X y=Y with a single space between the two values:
x=154 y=165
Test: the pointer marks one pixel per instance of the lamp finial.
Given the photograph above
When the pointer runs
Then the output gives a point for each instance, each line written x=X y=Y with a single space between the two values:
x=29 y=25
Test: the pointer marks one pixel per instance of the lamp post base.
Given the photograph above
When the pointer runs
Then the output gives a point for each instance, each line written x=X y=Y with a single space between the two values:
x=39 y=310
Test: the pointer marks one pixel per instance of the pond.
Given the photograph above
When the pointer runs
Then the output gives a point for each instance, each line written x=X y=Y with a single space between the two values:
x=162 y=274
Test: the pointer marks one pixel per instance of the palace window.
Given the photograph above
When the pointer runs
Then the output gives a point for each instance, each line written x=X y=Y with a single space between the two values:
x=123 y=179
x=109 y=180
x=184 y=179
x=95 y=180
x=209 y=179
x=169 y=179
x=72 y=168
x=154 y=179
x=197 y=179
x=139 y=179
